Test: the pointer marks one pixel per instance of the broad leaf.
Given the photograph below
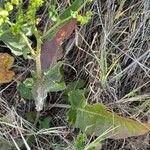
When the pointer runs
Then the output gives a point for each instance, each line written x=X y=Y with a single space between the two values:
x=53 y=86
x=6 y=62
x=51 y=82
x=75 y=85
x=15 y=43
x=53 y=79
x=44 y=123
x=96 y=119
x=40 y=90
x=51 y=52
x=77 y=99
x=51 y=49
x=37 y=89
x=54 y=72
x=2 y=2
x=39 y=94
x=24 y=91
x=25 y=88
x=66 y=16
x=27 y=29
x=80 y=141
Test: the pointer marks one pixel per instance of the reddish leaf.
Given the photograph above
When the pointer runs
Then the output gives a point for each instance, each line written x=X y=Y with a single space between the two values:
x=52 y=50
x=65 y=31
x=6 y=61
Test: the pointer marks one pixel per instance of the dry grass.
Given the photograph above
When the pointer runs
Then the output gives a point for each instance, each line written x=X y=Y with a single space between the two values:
x=112 y=54
x=115 y=55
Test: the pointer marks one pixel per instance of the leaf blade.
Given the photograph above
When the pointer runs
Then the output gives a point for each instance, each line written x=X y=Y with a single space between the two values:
x=96 y=119
x=51 y=50
x=16 y=43
x=6 y=62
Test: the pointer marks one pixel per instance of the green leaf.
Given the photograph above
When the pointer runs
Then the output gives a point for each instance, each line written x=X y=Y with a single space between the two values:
x=2 y=3
x=39 y=94
x=37 y=89
x=31 y=116
x=77 y=99
x=53 y=14
x=15 y=43
x=54 y=86
x=24 y=91
x=96 y=144
x=41 y=88
x=27 y=29
x=76 y=6
x=79 y=84
x=44 y=123
x=72 y=113
x=96 y=119
x=54 y=72
x=51 y=82
x=29 y=82
x=84 y=19
x=80 y=141
x=53 y=79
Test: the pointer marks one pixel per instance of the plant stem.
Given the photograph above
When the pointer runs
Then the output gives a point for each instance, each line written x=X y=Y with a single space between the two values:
x=37 y=118
x=54 y=28
x=38 y=54
x=38 y=65
x=61 y=22
x=28 y=44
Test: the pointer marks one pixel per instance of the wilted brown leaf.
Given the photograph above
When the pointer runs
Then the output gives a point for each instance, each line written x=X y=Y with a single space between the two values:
x=6 y=61
x=65 y=31
x=52 y=50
